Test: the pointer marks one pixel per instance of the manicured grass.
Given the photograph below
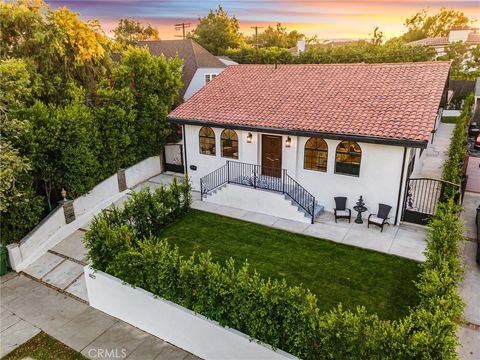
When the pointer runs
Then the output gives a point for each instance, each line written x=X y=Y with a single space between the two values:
x=334 y=272
x=44 y=347
x=449 y=119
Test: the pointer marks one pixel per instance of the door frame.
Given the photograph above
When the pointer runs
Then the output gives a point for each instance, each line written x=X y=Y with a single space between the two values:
x=280 y=137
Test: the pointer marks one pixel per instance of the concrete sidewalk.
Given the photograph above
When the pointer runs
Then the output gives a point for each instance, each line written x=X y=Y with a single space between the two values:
x=469 y=333
x=28 y=307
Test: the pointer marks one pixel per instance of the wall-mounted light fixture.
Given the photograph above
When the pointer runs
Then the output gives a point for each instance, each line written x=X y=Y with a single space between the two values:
x=288 y=142
x=249 y=138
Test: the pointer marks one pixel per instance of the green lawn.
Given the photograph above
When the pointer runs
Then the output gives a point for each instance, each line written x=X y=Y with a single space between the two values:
x=334 y=272
x=44 y=347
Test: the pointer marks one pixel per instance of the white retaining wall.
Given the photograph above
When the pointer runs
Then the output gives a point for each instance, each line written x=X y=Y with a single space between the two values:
x=53 y=229
x=171 y=322
x=257 y=200
x=451 y=112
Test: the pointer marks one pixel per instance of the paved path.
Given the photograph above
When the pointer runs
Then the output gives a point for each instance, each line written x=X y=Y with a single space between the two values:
x=27 y=307
x=473 y=173
x=407 y=241
x=437 y=152
x=469 y=334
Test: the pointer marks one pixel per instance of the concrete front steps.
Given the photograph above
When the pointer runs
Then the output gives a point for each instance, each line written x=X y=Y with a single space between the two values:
x=61 y=267
x=261 y=201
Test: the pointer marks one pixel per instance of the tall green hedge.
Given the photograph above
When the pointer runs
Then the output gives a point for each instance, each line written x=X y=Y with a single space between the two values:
x=121 y=243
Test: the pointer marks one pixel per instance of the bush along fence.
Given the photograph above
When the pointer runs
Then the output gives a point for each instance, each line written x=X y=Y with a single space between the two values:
x=122 y=243
x=454 y=166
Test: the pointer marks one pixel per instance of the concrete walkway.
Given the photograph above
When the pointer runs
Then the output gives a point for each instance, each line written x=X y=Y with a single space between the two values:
x=437 y=152
x=28 y=307
x=469 y=333
x=407 y=241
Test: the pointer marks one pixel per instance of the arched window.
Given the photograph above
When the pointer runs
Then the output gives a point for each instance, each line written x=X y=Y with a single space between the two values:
x=207 y=141
x=348 y=158
x=229 y=141
x=316 y=154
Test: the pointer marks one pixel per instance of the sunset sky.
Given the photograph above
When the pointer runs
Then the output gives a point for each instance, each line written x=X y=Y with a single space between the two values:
x=327 y=19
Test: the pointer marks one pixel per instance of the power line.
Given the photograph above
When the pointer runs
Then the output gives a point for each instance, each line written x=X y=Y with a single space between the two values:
x=182 y=26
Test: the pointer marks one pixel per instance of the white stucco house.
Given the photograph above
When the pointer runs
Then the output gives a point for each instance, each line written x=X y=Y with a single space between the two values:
x=285 y=140
x=199 y=65
x=468 y=36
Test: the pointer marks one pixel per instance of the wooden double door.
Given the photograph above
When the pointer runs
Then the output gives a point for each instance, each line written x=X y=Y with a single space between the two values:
x=271 y=155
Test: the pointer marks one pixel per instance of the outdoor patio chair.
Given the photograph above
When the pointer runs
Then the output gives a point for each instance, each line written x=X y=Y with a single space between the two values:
x=381 y=217
x=341 y=211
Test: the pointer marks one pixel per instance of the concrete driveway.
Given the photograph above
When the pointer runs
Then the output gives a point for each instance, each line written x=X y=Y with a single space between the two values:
x=469 y=333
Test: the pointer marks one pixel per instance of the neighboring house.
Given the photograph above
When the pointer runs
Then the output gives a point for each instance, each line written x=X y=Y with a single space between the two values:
x=311 y=132
x=470 y=37
x=199 y=66
x=226 y=60
x=302 y=46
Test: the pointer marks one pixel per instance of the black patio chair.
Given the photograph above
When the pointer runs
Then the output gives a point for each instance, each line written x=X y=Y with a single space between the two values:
x=381 y=217
x=341 y=211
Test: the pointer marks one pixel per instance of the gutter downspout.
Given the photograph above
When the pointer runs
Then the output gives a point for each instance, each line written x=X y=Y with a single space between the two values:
x=401 y=184
x=185 y=149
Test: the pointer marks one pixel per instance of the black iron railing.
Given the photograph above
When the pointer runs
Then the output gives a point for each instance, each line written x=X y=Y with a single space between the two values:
x=299 y=194
x=259 y=177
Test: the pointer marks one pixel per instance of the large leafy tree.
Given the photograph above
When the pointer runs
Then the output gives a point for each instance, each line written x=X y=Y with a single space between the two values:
x=154 y=83
x=422 y=25
x=277 y=36
x=20 y=208
x=64 y=148
x=217 y=32
x=64 y=53
x=129 y=31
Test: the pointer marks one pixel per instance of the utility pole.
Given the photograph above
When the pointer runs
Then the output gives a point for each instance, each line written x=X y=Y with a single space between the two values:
x=182 y=26
x=256 y=40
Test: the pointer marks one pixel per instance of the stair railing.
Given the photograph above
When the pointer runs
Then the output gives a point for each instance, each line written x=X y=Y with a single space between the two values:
x=259 y=177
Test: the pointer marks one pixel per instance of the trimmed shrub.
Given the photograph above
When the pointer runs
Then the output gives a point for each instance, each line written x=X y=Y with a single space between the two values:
x=123 y=244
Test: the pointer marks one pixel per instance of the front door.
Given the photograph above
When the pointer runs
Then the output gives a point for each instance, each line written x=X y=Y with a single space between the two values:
x=272 y=155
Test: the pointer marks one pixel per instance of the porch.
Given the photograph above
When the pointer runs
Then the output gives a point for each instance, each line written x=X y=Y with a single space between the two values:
x=407 y=241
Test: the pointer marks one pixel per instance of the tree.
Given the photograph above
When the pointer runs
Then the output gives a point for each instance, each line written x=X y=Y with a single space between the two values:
x=62 y=51
x=64 y=154
x=421 y=25
x=464 y=59
x=217 y=32
x=155 y=83
x=277 y=36
x=266 y=55
x=20 y=208
x=377 y=36
x=115 y=117
x=129 y=31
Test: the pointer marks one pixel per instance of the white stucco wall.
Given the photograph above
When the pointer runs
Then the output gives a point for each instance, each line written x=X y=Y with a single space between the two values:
x=171 y=322
x=198 y=80
x=379 y=179
x=53 y=229
x=257 y=200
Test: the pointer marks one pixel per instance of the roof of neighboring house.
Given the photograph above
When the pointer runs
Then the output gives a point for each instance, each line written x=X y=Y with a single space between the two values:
x=434 y=41
x=386 y=102
x=473 y=39
x=194 y=56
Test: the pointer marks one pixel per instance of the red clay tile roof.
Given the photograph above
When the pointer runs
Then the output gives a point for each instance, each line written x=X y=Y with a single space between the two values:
x=388 y=101
x=434 y=41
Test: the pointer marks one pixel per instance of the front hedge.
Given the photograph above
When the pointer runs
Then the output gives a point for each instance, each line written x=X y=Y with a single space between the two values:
x=287 y=317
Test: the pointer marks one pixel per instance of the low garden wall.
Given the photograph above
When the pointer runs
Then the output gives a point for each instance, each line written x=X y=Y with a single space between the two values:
x=122 y=243
x=171 y=322
x=68 y=217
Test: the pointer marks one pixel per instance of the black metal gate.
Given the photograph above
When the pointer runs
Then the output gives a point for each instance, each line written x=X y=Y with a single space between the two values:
x=422 y=196
x=173 y=158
